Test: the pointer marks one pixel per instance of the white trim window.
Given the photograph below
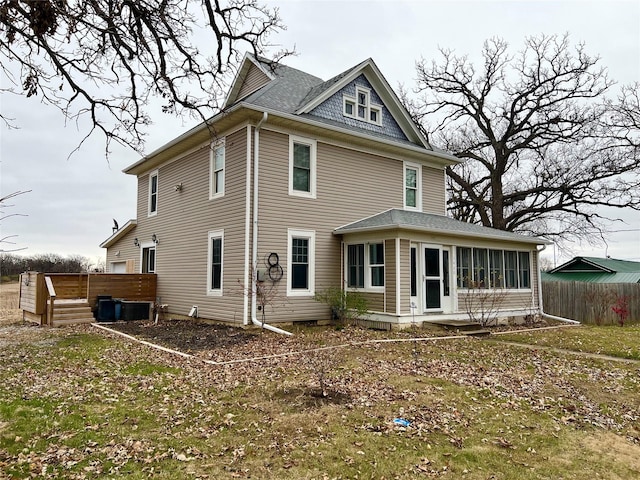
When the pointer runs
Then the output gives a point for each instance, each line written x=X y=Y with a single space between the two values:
x=486 y=268
x=412 y=181
x=153 y=194
x=302 y=167
x=215 y=262
x=365 y=271
x=148 y=258
x=216 y=170
x=301 y=262
x=361 y=108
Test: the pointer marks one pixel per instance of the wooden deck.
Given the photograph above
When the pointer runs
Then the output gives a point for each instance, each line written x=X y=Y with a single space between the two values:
x=58 y=299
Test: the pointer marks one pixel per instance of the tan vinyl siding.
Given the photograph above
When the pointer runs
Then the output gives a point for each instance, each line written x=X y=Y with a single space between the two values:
x=375 y=301
x=182 y=224
x=405 y=276
x=350 y=185
x=433 y=191
x=128 y=252
x=507 y=300
x=390 y=275
x=255 y=79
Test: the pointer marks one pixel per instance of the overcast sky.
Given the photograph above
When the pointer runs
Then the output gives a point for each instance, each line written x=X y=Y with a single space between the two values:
x=73 y=200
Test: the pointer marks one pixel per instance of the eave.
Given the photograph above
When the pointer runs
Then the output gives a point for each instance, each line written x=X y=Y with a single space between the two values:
x=206 y=132
x=117 y=235
x=451 y=233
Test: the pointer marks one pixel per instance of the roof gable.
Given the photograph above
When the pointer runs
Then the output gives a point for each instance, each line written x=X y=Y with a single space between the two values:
x=597 y=265
x=365 y=73
x=251 y=76
x=332 y=109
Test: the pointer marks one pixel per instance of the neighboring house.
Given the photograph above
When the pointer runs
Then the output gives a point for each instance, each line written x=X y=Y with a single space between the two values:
x=313 y=184
x=595 y=270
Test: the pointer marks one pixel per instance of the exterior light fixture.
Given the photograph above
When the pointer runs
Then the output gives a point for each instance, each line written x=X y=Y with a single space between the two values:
x=154 y=239
x=136 y=242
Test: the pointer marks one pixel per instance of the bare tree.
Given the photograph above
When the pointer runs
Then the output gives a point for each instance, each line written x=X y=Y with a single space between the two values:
x=544 y=146
x=5 y=239
x=105 y=59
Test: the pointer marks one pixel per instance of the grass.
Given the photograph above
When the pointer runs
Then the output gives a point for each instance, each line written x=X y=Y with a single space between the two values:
x=84 y=404
x=622 y=342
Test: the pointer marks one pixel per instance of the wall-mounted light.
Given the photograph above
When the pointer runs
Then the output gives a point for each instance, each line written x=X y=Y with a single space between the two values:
x=155 y=239
x=136 y=242
x=118 y=253
x=178 y=187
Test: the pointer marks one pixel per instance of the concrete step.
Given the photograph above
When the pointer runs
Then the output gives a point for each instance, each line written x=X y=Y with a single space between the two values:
x=476 y=333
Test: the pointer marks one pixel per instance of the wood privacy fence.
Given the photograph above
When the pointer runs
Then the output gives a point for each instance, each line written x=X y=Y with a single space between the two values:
x=125 y=286
x=591 y=302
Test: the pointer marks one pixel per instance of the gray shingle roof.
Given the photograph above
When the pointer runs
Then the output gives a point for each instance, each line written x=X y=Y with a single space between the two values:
x=286 y=91
x=427 y=222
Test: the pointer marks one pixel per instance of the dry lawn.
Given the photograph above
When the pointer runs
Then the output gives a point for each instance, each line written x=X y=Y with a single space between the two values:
x=80 y=403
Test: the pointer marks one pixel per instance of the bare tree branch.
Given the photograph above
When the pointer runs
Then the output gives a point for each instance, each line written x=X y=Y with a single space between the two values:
x=545 y=146
x=106 y=59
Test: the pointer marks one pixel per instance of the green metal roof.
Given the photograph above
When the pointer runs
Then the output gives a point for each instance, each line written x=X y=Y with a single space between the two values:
x=595 y=270
x=591 y=277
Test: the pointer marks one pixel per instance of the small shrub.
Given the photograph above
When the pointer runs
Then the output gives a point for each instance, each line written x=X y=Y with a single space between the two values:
x=621 y=309
x=345 y=306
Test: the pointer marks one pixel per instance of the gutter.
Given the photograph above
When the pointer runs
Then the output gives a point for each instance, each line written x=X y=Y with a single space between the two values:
x=542 y=313
x=254 y=253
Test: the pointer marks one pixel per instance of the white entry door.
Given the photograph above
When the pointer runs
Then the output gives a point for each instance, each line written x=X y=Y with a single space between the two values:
x=436 y=284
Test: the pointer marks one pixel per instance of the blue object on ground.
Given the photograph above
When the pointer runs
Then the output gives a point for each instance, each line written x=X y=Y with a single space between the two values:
x=402 y=422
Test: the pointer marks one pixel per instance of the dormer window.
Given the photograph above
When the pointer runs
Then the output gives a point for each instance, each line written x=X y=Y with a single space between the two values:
x=361 y=108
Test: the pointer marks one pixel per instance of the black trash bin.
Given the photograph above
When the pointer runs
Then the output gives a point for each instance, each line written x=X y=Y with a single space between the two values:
x=97 y=305
x=106 y=310
x=134 y=310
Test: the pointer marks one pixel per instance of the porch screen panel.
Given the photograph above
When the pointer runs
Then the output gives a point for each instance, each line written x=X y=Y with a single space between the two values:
x=355 y=265
x=511 y=269
x=463 y=259
x=524 y=270
x=432 y=293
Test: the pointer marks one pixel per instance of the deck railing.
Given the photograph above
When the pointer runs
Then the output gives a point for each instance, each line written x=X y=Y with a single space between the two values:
x=39 y=291
x=51 y=299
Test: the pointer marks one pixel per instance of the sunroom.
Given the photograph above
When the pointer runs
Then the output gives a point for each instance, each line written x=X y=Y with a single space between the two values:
x=414 y=267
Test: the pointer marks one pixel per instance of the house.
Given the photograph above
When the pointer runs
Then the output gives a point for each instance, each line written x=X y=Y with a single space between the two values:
x=300 y=185
x=595 y=270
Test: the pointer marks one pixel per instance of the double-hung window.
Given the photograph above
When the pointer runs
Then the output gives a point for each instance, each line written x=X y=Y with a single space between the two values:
x=412 y=187
x=153 y=193
x=301 y=263
x=216 y=170
x=365 y=271
x=302 y=167
x=214 y=267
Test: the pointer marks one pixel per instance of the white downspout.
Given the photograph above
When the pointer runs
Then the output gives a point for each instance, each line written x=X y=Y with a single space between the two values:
x=254 y=253
x=247 y=227
x=552 y=317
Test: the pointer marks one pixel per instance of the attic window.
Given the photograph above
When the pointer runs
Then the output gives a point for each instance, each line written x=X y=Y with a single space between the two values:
x=361 y=108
